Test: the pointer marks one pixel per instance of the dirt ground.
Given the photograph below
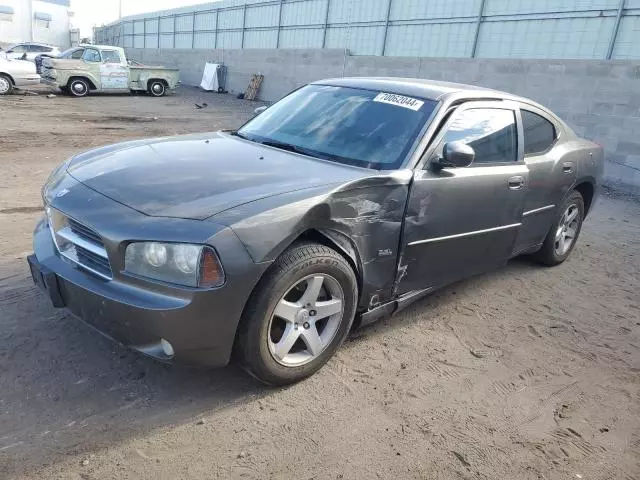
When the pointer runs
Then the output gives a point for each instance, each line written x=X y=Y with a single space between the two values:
x=523 y=373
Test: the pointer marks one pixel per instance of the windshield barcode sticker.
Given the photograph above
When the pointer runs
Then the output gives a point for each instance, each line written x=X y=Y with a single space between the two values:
x=399 y=101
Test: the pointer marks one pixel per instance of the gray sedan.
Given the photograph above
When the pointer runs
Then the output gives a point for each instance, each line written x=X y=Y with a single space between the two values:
x=342 y=203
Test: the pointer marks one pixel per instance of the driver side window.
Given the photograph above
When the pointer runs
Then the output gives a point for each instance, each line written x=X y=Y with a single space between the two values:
x=491 y=132
x=91 y=55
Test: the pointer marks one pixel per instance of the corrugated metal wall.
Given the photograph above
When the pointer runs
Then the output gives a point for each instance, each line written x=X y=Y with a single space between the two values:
x=587 y=29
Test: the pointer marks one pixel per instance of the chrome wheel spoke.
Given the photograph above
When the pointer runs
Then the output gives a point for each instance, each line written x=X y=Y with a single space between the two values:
x=286 y=310
x=295 y=317
x=312 y=340
x=311 y=294
x=328 y=308
x=570 y=233
x=572 y=216
x=286 y=342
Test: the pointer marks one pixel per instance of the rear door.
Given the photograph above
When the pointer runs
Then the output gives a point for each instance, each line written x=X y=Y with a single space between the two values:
x=464 y=221
x=114 y=72
x=551 y=174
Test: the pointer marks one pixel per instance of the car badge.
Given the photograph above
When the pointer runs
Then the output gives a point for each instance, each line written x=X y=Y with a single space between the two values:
x=62 y=192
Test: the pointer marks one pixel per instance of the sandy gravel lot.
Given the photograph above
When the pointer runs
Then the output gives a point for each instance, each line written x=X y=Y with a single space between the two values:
x=523 y=373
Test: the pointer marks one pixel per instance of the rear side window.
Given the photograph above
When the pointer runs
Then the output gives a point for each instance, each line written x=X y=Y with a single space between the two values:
x=539 y=133
x=110 y=56
x=491 y=132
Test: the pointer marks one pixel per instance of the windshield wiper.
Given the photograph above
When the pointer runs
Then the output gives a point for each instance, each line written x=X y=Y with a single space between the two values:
x=294 y=148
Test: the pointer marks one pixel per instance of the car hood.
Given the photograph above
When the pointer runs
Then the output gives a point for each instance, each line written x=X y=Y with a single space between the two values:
x=197 y=176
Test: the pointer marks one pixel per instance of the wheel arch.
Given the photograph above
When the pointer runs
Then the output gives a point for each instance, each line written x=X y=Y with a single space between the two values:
x=587 y=189
x=154 y=79
x=5 y=74
x=333 y=239
x=92 y=85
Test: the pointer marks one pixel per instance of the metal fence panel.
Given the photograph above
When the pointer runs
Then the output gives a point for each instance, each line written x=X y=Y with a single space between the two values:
x=263 y=16
x=558 y=38
x=628 y=43
x=359 y=40
x=230 y=19
x=589 y=29
x=309 y=12
x=301 y=38
x=260 y=38
x=205 y=21
x=205 y=40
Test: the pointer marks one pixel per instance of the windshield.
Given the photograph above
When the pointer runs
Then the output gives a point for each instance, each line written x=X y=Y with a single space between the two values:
x=69 y=53
x=359 y=127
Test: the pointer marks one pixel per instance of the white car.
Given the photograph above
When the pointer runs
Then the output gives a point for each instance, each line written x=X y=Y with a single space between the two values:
x=16 y=73
x=30 y=50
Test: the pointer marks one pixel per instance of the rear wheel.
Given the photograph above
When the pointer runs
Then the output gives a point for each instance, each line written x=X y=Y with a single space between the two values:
x=298 y=316
x=5 y=85
x=157 y=88
x=78 y=87
x=564 y=232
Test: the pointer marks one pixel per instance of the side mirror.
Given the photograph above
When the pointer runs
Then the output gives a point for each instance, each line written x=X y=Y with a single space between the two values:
x=259 y=110
x=457 y=155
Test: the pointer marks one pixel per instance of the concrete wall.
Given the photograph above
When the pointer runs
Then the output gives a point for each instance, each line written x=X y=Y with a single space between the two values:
x=599 y=99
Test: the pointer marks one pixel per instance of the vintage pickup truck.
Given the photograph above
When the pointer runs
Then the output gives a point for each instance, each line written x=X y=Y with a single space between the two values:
x=103 y=68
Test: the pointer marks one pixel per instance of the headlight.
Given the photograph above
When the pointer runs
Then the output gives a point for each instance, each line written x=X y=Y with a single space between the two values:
x=179 y=263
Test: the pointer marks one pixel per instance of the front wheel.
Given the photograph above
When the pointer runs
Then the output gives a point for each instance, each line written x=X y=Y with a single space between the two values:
x=5 y=85
x=78 y=87
x=298 y=315
x=157 y=88
x=564 y=232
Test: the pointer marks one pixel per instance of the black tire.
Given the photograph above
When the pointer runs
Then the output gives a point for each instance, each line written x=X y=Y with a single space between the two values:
x=78 y=87
x=292 y=267
x=157 y=88
x=550 y=254
x=6 y=85
x=64 y=90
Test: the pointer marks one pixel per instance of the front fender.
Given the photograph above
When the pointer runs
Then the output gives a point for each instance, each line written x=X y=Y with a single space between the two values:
x=368 y=213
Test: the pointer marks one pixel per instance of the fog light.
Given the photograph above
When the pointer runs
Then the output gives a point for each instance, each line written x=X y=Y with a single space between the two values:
x=166 y=348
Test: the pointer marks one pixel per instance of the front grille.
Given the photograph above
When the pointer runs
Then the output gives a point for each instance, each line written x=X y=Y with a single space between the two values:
x=79 y=243
x=84 y=232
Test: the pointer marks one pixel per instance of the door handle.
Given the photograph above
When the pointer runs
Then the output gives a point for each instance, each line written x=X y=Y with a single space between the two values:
x=567 y=167
x=516 y=183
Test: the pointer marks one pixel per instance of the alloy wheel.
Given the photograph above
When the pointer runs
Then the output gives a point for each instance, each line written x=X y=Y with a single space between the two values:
x=5 y=85
x=305 y=320
x=567 y=229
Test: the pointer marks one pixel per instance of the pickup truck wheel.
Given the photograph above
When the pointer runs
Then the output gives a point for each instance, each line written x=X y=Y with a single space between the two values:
x=564 y=232
x=298 y=315
x=79 y=87
x=157 y=88
x=5 y=85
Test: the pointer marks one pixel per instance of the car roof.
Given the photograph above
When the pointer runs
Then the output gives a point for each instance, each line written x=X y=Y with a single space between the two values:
x=424 y=88
x=99 y=47
x=34 y=43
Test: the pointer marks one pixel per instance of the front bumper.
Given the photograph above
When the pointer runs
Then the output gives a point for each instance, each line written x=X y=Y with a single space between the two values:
x=49 y=81
x=200 y=325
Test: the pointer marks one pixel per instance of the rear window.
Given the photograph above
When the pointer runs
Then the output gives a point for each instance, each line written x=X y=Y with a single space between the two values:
x=539 y=133
x=365 y=128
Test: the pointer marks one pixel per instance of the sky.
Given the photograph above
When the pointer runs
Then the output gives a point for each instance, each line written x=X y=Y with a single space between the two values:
x=88 y=13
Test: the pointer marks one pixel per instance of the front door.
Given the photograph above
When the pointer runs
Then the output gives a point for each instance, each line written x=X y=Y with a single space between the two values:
x=464 y=221
x=114 y=72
